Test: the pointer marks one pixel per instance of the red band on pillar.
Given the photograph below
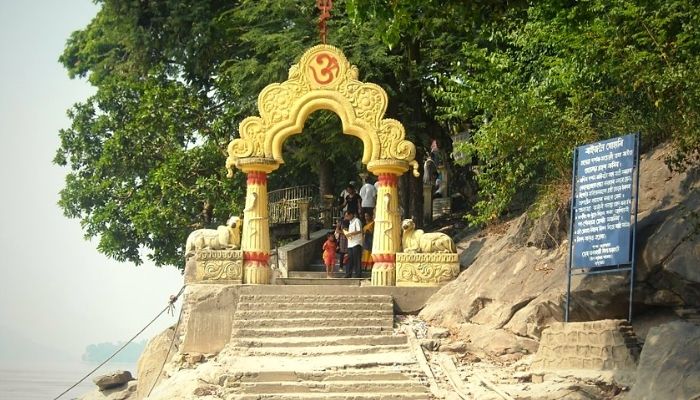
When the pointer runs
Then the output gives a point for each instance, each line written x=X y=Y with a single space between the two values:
x=256 y=256
x=257 y=178
x=388 y=180
x=384 y=258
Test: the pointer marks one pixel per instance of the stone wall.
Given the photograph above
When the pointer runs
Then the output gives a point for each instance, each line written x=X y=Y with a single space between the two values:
x=208 y=317
x=300 y=253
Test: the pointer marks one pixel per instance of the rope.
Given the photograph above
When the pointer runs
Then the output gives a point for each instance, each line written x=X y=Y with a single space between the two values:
x=167 y=354
x=168 y=307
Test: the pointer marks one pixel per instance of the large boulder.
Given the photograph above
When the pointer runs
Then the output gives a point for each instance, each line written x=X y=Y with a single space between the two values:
x=501 y=281
x=124 y=392
x=113 y=380
x=669 y=366
x=151 y=361
x=516 y=277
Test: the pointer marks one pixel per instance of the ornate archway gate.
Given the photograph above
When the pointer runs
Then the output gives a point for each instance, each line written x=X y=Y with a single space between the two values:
x=323 y=79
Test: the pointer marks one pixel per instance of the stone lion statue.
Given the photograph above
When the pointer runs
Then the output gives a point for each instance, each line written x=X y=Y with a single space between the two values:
x=223 y=237
x=416 y=241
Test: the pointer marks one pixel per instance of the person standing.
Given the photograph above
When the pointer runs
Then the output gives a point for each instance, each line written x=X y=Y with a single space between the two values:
x=368 y=193
x=342 y=244
x=329 y=249
x=343 y=202
x=353 y=202
x=354 y=236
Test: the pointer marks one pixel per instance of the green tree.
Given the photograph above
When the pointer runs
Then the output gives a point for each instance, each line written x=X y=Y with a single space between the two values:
x=174 y=79
x=535 y=79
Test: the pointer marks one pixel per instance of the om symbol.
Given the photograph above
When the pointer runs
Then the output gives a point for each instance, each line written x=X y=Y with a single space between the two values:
x=329 y=67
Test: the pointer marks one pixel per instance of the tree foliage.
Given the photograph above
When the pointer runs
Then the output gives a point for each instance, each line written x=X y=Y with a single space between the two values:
x=174 y=78
x=535 y=79
x=528 y=80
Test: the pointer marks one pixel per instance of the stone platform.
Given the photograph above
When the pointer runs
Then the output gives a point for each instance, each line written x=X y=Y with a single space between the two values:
x=210 y=309
x=215 y=266
x=597 y=345
x=426 y=269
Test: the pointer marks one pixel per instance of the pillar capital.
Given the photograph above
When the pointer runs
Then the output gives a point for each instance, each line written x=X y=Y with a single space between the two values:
x=388 y=166
x=256 y=164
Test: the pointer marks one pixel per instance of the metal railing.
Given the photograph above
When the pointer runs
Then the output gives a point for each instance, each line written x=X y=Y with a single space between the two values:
x=284 y=205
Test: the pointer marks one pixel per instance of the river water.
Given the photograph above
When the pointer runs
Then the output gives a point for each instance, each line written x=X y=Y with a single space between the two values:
x=42 y=381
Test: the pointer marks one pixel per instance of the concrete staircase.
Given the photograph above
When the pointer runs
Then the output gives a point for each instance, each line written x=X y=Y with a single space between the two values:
x=319 y=346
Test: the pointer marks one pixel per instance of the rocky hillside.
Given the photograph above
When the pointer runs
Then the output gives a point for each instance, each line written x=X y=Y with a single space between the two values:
x=515 y=281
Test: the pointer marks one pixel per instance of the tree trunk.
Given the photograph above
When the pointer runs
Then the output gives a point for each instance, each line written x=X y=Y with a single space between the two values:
x=325 y=177
x=405 y=196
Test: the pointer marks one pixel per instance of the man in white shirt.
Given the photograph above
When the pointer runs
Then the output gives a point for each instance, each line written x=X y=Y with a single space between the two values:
x=368 y=193
x=354 y=236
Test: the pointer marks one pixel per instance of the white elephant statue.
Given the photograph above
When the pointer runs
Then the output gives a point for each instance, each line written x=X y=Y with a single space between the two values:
x=416 y=241
x=223 y=237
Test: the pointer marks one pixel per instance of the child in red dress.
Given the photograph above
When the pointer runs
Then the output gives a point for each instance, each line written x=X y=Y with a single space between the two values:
x=329 y=248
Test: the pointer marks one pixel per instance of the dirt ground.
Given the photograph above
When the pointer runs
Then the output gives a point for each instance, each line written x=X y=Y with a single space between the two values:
x=460 y=371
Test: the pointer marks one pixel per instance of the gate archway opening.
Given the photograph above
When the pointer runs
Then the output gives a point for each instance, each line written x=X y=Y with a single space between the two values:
x=322 y=80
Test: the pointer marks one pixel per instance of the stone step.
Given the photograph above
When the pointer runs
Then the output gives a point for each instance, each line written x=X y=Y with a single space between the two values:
x=688 y=313
x=318 y=350
x=321 y=281
x=334 y=313
x=314 y=274
x=334 y=396
x=306 y=298
x=248 y=306
x=314 y=322
x=394 y=373
x=312 y=331
x=322 y=362
x=328 y=387
x=371 y=340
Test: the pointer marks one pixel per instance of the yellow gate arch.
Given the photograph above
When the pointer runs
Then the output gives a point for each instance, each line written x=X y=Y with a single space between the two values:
x=322 y=79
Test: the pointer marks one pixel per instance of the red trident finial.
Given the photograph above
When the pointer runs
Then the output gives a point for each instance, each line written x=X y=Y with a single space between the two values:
x=325 y=7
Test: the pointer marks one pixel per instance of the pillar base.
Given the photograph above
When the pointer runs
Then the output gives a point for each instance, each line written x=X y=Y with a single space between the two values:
x=426 y=269
x=215 y=266
x=256 y=273
x=383 y=274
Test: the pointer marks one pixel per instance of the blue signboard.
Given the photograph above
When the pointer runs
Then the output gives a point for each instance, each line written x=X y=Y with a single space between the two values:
x=604 y=210
x=602 y=213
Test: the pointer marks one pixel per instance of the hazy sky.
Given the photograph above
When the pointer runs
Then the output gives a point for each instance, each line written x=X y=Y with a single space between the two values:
x=55 y=288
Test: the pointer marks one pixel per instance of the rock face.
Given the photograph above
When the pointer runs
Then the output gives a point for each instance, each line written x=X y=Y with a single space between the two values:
x=515 y=283
x=668 y=366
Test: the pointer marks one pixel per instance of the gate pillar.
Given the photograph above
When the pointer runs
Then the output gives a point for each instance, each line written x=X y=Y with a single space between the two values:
x=255 y=238
x=387 y=232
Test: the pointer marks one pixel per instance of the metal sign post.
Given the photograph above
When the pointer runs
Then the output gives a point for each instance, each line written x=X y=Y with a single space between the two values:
x=605 y=187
